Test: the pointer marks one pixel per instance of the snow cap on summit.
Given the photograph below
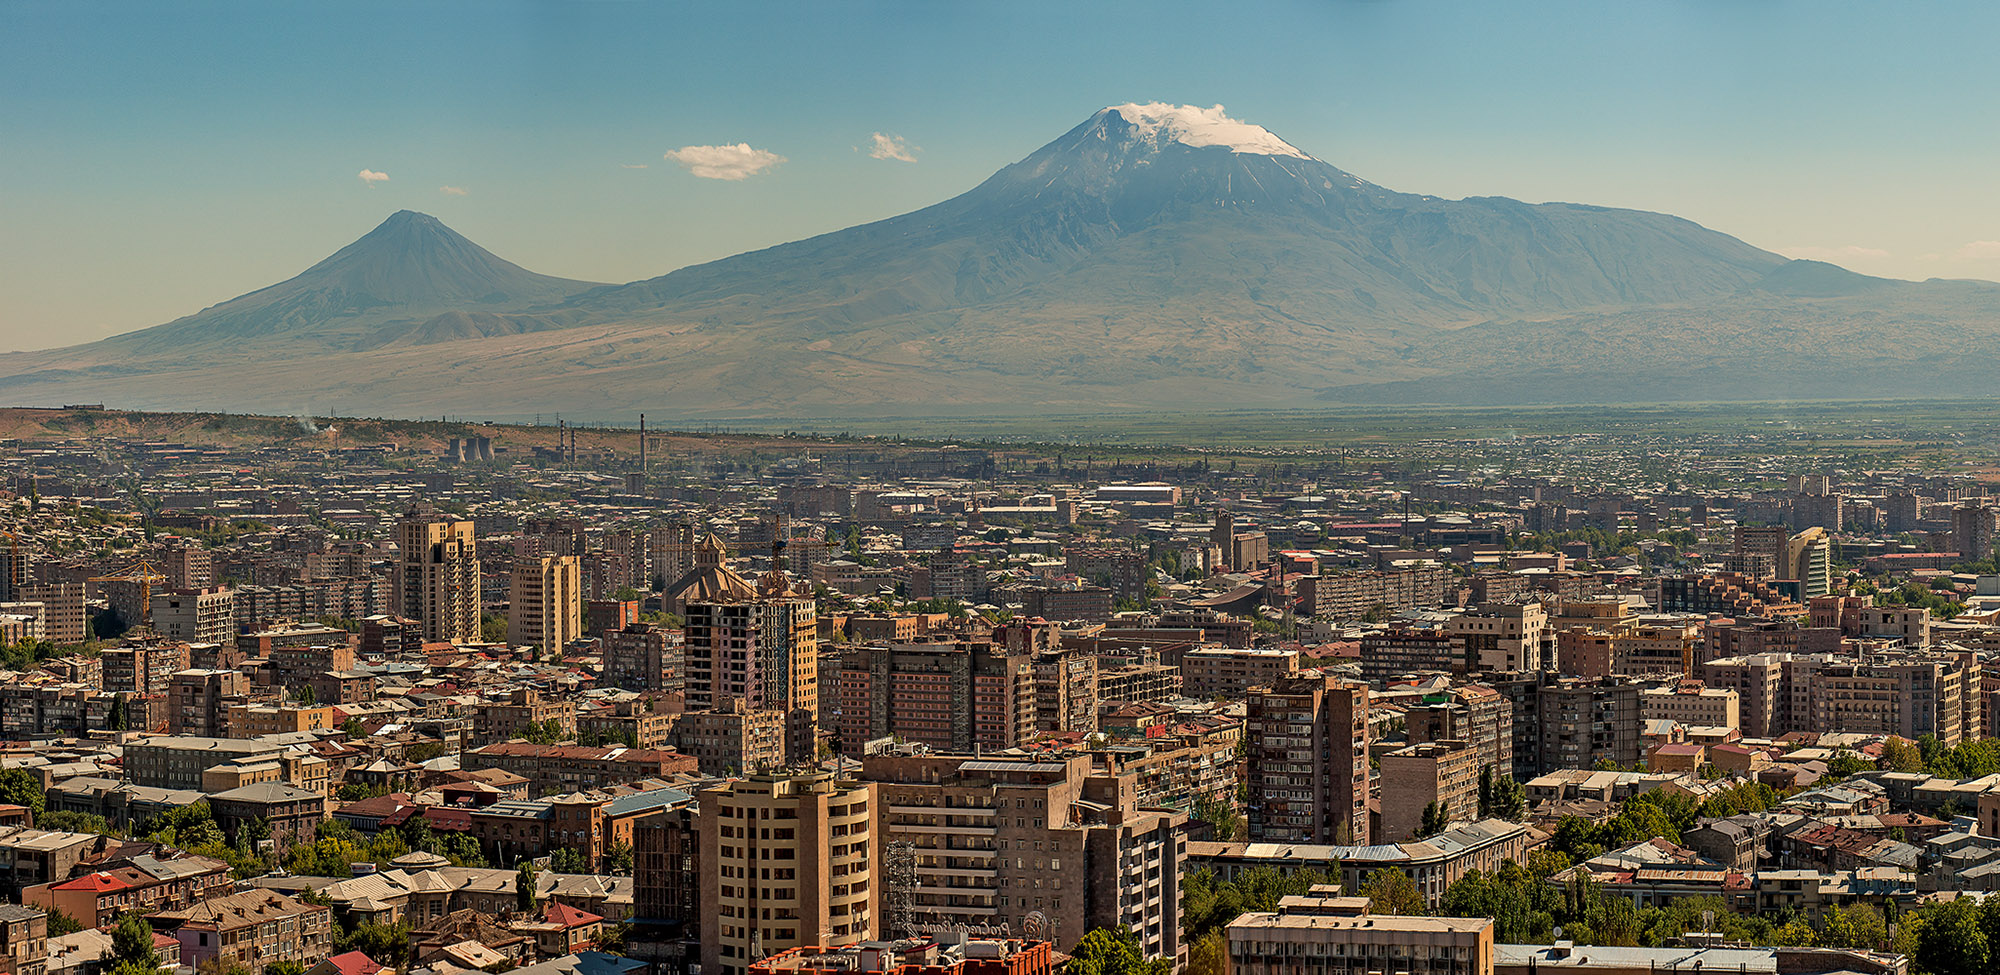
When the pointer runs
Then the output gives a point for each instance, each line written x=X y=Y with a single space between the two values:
x=1200 y=127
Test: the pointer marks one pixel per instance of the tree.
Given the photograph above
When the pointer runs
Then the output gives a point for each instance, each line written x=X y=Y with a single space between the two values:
x=116 y=720
x=1436 y=818
x=388 y=944
x=1390 y=891
x=618 y=859
x=524 y=888
x=132 y=944
x=1950 y=940
x=60 y=923
x=285 y=967
x=1858 y=926
x=1104 y=952
x=21 y=788
x=1898 y=755
x=1207 y=954
x=567 y=859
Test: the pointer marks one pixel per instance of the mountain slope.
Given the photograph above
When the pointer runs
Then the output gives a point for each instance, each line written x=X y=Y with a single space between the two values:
x=1153 y=257
x=1105 y=195
x=398 y=276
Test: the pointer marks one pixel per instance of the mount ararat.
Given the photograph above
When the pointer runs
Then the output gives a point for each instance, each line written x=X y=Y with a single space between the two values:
x=1153 y=257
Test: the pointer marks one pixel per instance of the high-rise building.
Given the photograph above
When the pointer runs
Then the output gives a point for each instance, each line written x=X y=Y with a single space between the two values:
x=1973 y=529
x=196 y=615
x=440 y=576
x=545 y=602
x=763 y=650
x=786 y=861
x=1308 y=760
x=1585 y=721
x=1472 y=713
x=1809 y=562
x=953 y=697
x=1441 y=772
x=643 y=657
x=201 y=700
x=1503 y=636
x=1761 y=542
x=1001 y=843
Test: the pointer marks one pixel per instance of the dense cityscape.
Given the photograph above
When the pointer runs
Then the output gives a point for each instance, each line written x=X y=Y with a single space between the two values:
x=548 y=700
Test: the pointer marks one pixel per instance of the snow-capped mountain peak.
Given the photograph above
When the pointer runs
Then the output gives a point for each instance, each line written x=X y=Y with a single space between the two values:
x=1189 y=125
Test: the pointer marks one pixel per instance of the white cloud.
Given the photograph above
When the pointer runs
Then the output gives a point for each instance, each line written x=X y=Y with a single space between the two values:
x=452 y=190
x=724 y=162
x=371 y=177
x=1851 y=252
x=1978 y=250
x=892 y=147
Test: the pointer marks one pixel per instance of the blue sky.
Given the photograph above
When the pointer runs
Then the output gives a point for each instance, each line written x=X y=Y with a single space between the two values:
x=156 y=158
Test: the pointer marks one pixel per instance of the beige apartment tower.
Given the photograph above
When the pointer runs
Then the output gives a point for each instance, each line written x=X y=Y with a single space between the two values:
x=545 y=601
x=787 y=860
x=439 y=584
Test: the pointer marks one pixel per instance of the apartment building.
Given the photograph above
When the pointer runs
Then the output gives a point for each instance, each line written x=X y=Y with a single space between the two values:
x=1690 y=704
x=763 y=650
x=178 y=761
x=555 y=769
x=643 y=657
x=1504 y=636
x=255 y=927
x=1442 y=772
x=1580 y=722
x=996 y=841
x=1473 y=713
x=1308 y=760
x=733 y=739
x=545 y=601
x=439 y=576
x=196 y=615
x=787 y=861
x=953 y=697
x=1229 y=673
x=199 y=701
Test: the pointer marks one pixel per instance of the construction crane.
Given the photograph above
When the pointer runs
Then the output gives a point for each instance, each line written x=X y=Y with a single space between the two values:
x=146 y=577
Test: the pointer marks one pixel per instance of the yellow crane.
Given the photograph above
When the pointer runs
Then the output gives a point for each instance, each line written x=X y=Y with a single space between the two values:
x=142 y=573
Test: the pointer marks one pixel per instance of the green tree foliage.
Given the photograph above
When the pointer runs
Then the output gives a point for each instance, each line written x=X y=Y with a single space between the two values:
x=618 y=859
x=60 y=923
x=1391 y=891
x=1854 y=926
x=1949 y=939
x=525 y=898
x=1899 y=755
x=20 y=787
x=1655 y=814
x=286 y=967
x=1208 y=904
x=1968 y=760
x=567 y=859
x=1207 y=955
x=548 y=732
x=1105 y=952
x=63 y=821
x=1220 y=814
x=388 y=944
x=1436 y=817
x=132 y=944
